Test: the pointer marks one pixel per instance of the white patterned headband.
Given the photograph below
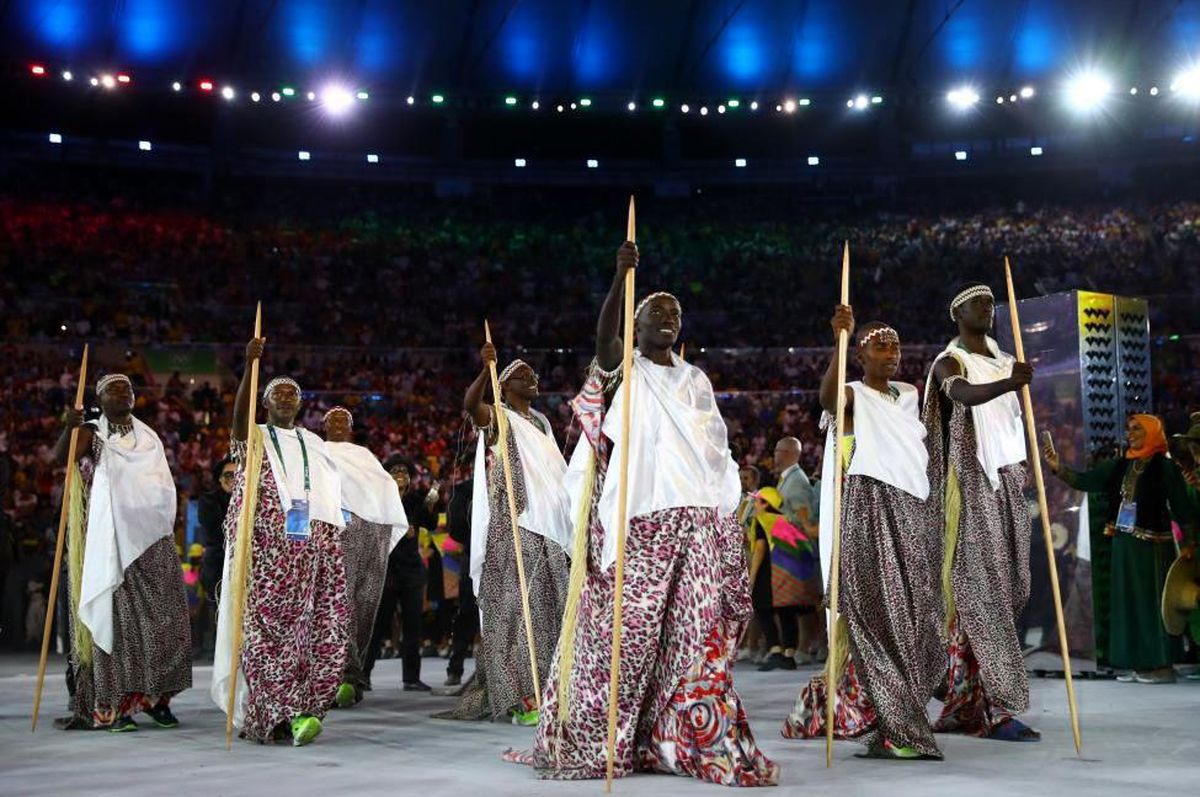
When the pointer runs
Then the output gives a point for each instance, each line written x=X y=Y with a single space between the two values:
x=338 y=408
x=512 y=368
x=885 y=334
x=638 y=310
x=109 y=379
x=967 y=295
x=276 y=382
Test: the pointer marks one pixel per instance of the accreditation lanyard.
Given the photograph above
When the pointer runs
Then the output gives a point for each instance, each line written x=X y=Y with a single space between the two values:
x=283 y=462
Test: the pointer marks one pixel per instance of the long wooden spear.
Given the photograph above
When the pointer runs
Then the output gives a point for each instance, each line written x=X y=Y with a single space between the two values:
x=831 y=661
x=502 y=433
x=1036 y=461
x=243 y=550
x=51 y=599
x=622 y=504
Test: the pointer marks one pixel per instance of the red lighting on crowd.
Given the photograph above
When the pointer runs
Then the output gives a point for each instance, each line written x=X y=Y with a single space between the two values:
x=38 y=70
x=206 y=85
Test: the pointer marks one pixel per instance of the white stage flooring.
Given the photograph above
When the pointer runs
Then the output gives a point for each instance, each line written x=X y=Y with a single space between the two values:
x=1138 y=740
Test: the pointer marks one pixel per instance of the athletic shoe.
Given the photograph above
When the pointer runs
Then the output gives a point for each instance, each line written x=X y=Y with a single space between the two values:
x=453 y=679
x=345 y=697
x=163 y=717
x=124 y=724
x=305 y=728
x=415 y=686
x=528 y=719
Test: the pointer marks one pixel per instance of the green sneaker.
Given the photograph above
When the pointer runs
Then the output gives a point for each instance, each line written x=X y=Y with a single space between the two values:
x=124 y=724
x=528 y=719
x=305 y=728
x=345 y=697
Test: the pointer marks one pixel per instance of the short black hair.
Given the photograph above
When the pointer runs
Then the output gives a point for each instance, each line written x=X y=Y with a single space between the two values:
x=219 y=466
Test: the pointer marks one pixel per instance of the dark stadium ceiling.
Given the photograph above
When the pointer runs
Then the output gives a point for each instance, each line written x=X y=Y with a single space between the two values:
x=481 y=47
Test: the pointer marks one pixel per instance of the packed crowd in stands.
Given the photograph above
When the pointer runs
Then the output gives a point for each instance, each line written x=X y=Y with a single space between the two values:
x=380 y=310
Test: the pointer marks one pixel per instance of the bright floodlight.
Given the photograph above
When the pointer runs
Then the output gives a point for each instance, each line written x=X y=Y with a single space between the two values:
x=789 y=106
x=38 y=70
x=704 y=110
x=963 y=97
x=411 y=100
x=684 y=108
x=519 y=163
x=754 y=105
x=510 y=101
x=535 y=105
x=876 y=100
x=593 y=163
x=860 y=102
x=438 y=99
x=585 y=102
x=312 y=95
x=176 y=86
x=67 y=76
x=303 y=155
x=1026 y=92
x=1086 y=92
x=255 y=96
x=95 y=81
x=336 y=100
x=960 y=155
x=56 y=138
x=276 y=96
x=362 y=95
x=739 y=163
x=1035 y=151
x=372 y=157
x=813 y=160
x=1187 y=83
x=805 y=101
x=228 y=93
x=632 y=106
x=145 y=146
x=720 y=109
x=658 y=102
x=108 y=81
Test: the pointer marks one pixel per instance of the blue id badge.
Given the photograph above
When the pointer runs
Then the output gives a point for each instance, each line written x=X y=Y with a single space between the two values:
x=1127 y=516
x=295 y=524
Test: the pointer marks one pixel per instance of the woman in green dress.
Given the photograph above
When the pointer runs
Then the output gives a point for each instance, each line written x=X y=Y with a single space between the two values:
x=1145 y=491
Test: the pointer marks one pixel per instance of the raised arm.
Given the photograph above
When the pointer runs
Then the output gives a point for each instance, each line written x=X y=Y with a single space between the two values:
x=970 y=395
x=843 y=318
x=241 y=405
x=608 y=327
x=473 y=403
x=73 y=419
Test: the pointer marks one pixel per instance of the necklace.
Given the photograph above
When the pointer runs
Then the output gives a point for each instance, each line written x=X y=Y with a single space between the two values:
x=892 y=393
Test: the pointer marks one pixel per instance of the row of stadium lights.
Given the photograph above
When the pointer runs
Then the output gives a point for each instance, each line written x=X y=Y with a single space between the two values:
x=1083 y=91
x=521 y=163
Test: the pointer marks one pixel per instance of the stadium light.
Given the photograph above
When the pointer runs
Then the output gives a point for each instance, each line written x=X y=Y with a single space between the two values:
x=336 y=99
x=739 y=163
x=206 y=85
x=56 y=138
x=658 y=102
x=876 y=100
x=255 y=96
x=145 y=146
x=304 y=155
x=1027 y=92
x=372 y=157
x=964 y=98
x=593 y=163
x=734 y=103
x=960 y=155
x=704 y=110
x=519 y=163
x=789 y=106
x=288 y=91
x=438 y=99
x=859 y=103
x=124 y=79
x=1087 y=90
x=804 y=102
x=1187 y=83
x=312 y=95
x=585 y=102
x=720 y=109
x=510 y=101
x=176 y=86
x=813 y=160
x=999 y=100
x=37 y=70
x=1154 y=91
x=754 y=105
x=95 y=81
x=276 y=96
x=684 y=108
x=108 y=81
x=574 y=106
x=362 y=95
x=631 y=105
x=228 y=93
x=411 y=100
x=1035 y=151
x=535 y=105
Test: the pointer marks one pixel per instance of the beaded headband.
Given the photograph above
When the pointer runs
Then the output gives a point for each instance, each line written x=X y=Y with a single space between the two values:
x=511 y=368
x=109 y=379
x=338 y=408
x=967 y=295
x=638 y=310
x=884 y=334
x=276 y=382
